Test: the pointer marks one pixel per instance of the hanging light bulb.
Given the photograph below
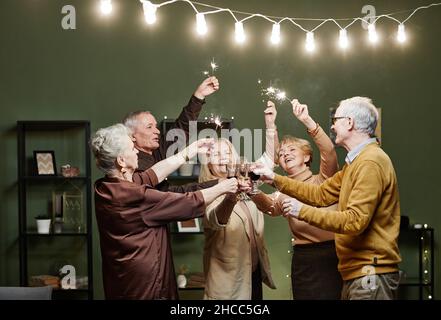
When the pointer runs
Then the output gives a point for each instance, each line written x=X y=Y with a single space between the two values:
x=201 y=25
x=401 y=34
x=310 y=44
x=239 y=32
x=275 y=34
x=373 y=36
x=106 y=7
x=149 y=12
x=343 y=39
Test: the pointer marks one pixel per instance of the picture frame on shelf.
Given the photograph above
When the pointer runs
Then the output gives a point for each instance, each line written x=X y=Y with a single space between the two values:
x=191 y=225
x=44 y=161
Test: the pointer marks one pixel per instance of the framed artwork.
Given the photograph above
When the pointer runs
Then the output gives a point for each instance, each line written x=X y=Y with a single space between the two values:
x=332 y=133
x=45 y=163
x=191 y=225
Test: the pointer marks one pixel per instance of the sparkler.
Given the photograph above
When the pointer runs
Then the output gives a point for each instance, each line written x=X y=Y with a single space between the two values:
x=273 y=93
x=214 y=119
x=214 y=66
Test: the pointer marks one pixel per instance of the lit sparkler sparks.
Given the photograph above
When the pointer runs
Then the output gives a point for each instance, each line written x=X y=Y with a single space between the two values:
x=273 y=93
x=214 y=119
x=213 y=66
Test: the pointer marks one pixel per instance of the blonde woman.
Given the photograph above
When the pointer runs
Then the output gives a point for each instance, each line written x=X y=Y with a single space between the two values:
x=235 y=257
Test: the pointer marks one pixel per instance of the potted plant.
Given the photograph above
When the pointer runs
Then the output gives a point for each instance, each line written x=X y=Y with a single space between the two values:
x=43 y=224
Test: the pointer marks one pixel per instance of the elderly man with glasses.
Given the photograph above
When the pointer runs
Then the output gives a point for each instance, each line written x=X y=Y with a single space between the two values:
x=367 y=220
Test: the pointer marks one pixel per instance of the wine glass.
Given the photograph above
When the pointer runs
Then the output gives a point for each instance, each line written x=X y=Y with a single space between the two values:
x=254 y=181
x=244 y=168
x=232 y=170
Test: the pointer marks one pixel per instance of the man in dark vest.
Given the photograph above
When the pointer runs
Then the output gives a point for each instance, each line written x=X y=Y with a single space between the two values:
x=153 y=147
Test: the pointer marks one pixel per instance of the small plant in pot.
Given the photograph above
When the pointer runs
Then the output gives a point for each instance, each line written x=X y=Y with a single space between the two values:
x=43 y=224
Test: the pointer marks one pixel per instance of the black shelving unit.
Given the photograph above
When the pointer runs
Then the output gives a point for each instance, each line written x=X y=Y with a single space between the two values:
x=27 y=177
x=425 y=278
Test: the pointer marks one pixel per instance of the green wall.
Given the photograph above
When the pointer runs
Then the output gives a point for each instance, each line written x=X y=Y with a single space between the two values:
x=109 y=66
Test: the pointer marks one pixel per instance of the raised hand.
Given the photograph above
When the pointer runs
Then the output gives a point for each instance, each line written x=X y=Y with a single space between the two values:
x=204 y=145
x=201 y=146
x=207 y=87
x=265 y=172
x=301 y=112
x=244 y=185
x=228 y=185
x=270 y=115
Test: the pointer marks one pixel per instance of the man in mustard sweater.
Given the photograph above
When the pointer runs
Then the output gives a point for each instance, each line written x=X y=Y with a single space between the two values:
x=367 y=221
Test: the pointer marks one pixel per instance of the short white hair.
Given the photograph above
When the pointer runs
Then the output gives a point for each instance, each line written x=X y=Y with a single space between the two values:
x=131 y=120
x=362 y=111
x=109 y=143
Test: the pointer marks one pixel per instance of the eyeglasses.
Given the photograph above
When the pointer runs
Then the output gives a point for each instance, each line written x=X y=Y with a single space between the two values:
x=334 y=119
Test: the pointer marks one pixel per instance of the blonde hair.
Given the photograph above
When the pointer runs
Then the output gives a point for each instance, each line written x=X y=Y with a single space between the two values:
x=206 y=173
x=303 y=144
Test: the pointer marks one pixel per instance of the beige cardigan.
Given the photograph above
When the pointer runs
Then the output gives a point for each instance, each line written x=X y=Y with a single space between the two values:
x=227 y=253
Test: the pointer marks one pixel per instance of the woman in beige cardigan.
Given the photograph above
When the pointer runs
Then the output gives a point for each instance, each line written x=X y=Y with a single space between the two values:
x=235 y=257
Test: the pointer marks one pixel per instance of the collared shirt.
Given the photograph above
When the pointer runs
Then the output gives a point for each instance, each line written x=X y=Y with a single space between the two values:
x=356 y=151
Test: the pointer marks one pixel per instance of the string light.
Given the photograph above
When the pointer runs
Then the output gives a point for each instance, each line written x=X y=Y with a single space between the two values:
x=201 y=26
x=149 y=11
x=239 y=32
x=309 y=43
x=401 y=34
x=343 y=39
x=372 y=33
x=106 y=7
x=275 y=34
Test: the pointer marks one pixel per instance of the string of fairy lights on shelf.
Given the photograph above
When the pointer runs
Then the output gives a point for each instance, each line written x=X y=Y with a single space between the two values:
x=150 y=9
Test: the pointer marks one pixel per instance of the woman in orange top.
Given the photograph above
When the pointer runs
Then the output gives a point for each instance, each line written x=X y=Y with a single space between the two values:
x=314 y=273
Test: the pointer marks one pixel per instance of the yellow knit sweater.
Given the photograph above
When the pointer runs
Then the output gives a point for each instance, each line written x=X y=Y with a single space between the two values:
x=367 y=222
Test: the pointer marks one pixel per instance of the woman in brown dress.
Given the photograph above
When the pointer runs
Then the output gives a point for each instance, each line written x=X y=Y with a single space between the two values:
x=132 y=216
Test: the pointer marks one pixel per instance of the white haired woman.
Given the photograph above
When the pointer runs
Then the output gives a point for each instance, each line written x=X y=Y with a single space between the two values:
x=132 y=216
x=235 y=257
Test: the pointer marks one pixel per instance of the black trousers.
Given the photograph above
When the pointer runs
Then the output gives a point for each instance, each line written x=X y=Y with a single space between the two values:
x=314 y=274
x=256 y=285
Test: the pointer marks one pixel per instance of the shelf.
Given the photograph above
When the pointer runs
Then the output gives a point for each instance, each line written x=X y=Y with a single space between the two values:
x=192 y=288
x=174 y=178
x=36 y=234
x=52 y=125
x=70 y=290
x=415 y=284
x=33 y=188
x=186 y=233
x=47 y=178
